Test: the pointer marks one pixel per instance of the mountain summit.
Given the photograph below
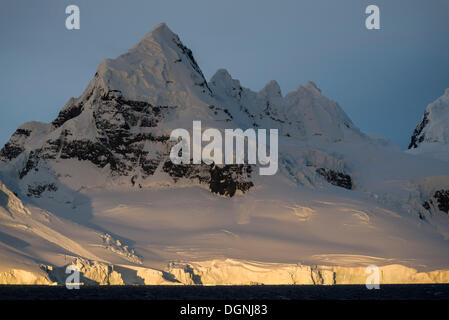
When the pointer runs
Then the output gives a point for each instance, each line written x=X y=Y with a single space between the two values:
x=96 y=187
x=158 y=70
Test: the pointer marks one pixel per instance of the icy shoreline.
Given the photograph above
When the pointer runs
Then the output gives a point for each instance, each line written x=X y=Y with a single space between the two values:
x=221 y=272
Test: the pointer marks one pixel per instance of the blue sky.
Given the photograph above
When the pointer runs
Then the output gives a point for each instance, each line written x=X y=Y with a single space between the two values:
x=383 y=79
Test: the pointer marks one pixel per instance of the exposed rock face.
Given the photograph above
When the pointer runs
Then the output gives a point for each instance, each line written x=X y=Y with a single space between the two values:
x=37 y=191
x=116 y=120
x=120 y=134
x=439 y=200
x=14 y=147
x=434 y=128
x=418 y=135
x=73 y=110
x=119 y=138
x=189 y=55
x=222 y=180
x=442 y=197
x=336 y=178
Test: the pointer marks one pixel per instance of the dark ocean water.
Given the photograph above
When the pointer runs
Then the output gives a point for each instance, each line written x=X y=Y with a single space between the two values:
x=262 y=292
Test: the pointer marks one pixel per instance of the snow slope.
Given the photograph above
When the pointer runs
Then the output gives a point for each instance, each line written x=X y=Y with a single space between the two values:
x=96 y=187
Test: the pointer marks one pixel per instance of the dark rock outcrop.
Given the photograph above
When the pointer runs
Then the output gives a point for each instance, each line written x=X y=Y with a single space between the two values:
x=418 y=135
x=10 y=151
x=36 y=191
x=223 y=180
x=336 y=178
x=442 y=197
x=14 y=147
x=70 y=112
x=439 y=200
x=115 y=143
x=189 y=56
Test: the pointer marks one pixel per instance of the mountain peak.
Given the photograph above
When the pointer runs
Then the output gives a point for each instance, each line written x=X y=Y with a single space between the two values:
x=161 y=26
x=159 y=69
x=160 y=33
x=434 y=128
x=272 y=88
x=224 y=79
x=221 y=74
x=310 y=85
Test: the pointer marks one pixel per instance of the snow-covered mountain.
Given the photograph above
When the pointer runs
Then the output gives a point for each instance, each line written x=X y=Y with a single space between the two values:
x=96 y=186
x=431 y=135
x=118 y=130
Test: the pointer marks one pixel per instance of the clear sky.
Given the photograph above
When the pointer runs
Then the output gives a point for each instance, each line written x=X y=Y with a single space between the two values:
x=383 y=79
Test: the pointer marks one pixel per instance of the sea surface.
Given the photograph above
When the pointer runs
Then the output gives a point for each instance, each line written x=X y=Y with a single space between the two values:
x=260 y=292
